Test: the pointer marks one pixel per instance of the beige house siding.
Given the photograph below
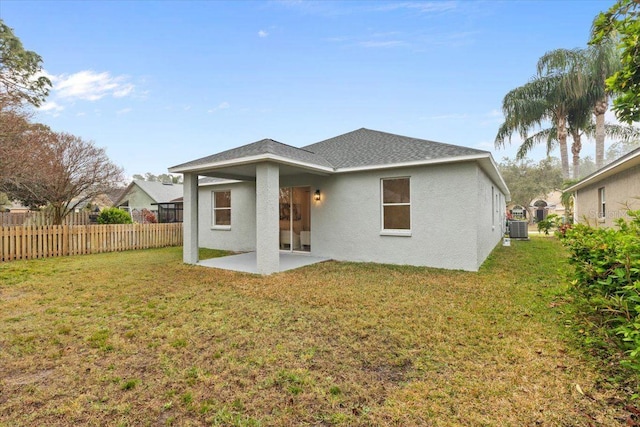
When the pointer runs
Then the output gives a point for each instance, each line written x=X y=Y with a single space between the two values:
x=622 y=191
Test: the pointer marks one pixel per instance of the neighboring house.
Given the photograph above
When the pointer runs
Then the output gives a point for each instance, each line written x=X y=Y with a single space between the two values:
x=141 y=195
x=99 y=202
x=607 y=194
x=362 y=196
x=170 y=211
x=539 y=208
x=16 y=207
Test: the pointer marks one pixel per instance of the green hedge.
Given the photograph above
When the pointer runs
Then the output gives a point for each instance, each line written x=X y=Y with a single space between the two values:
x=114 y=216
x=606 y=282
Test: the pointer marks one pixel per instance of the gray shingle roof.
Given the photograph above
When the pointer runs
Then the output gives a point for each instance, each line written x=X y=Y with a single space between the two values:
x=365 y=147
x=265 y=146
x=159 y=191
x=359 y=148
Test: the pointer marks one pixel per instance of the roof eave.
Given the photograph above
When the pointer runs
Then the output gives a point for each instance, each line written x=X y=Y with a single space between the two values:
x=221 y=182
x=249 y=160
x=491 y=167
x=619 y=165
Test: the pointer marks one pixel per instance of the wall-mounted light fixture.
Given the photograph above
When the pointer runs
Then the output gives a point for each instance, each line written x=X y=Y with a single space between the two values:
x=316 y=195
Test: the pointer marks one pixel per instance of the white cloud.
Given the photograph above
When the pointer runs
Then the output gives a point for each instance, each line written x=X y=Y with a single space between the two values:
x=222 y=106
x=124 y=111
x=91 y=86
x=51 y=106
x=262 y=33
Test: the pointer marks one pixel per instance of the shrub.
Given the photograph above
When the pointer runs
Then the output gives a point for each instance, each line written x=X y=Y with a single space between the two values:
x=114 y=216
x=606 y=282
x=148 y=217
x=562 y=230
x=549 y=222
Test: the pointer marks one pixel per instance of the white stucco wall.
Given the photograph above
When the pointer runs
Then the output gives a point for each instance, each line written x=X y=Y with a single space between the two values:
x=242 y=235
x=451 y=217
x=490 y=216
x=346 y=224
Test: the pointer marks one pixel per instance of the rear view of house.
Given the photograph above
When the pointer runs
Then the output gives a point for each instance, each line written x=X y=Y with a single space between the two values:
x=363 y=196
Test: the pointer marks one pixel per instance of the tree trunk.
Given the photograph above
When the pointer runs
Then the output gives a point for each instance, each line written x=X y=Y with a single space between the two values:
x=599 y=110
x=576 y=147
x=562 y=141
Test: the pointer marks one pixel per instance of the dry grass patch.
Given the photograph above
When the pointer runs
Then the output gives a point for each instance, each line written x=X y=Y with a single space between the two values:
x=138 y=338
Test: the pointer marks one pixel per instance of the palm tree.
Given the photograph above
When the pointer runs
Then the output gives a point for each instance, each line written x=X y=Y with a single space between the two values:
x=586 y=71
x=579 y=122
x=547 y=97
x=549 y=137
x=603 y=60
x=566 y=64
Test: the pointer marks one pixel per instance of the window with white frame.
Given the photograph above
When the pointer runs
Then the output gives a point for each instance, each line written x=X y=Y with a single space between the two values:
x=222 y=209
x=602 y=211
x=396 y=205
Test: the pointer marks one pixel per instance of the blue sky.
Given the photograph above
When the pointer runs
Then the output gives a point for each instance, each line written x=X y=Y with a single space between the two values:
x=161 y=83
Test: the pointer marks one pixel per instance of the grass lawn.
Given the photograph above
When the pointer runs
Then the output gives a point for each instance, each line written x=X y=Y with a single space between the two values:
x=138 y=338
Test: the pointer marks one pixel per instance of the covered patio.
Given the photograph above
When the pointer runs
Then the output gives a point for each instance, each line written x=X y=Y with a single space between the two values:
x=248 y=262
x=264 y=163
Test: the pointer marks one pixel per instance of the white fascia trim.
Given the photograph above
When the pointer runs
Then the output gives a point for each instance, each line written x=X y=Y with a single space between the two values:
x=226 y=181
x=502 y=184
x=474 y=157
x=251 y=159
x=414 y=163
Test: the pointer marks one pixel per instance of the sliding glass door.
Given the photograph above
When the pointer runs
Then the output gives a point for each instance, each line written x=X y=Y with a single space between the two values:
x=295 y=219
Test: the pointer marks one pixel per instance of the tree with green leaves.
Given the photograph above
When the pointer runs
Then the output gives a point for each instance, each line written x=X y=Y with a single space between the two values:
x=21 y=77
x=4 y=201
x=602 y=61
x=526 y=108
x=580 y=76
x=166 y=178
x=621 y=147
x=585 y=71
x=621 y=20
x=528 y=180
x=114 y=216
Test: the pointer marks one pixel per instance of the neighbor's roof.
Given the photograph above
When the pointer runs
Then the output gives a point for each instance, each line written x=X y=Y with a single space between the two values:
x=623 y=163
x=158 y=191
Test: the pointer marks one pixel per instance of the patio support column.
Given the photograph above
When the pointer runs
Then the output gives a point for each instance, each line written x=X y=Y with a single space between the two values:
x=190 y=218
x=268 y=217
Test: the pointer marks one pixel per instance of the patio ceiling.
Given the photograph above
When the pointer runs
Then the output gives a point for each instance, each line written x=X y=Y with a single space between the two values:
x=246 y=171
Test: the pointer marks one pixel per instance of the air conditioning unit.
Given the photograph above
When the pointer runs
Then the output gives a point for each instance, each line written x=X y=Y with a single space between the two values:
x=518 y=229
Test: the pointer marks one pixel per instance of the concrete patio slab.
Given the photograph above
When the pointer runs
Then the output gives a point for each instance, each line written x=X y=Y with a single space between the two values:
x=248 y=263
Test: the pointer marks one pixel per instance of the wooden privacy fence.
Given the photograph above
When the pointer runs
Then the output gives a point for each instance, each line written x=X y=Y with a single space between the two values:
x=19 y=219
x=60 y=240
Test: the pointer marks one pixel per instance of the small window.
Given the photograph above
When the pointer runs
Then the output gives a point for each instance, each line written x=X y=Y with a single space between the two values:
x=222 y=209
x=396 y=205
x=602 y=211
